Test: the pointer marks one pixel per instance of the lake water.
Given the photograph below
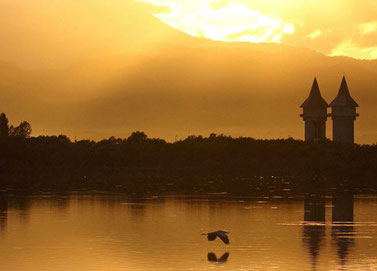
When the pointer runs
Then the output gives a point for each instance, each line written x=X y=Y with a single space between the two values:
x=113 y=232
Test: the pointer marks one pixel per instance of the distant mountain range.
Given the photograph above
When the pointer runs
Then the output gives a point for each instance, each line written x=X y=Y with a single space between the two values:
x=252 y=90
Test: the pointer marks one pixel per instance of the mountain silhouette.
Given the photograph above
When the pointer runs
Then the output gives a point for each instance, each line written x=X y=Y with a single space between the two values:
x=253 y=91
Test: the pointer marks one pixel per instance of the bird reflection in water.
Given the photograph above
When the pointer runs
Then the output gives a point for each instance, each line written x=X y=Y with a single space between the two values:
x=213 y=258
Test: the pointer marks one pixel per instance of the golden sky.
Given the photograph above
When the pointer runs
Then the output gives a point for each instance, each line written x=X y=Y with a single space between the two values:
x=51 y=33
x=336 y=27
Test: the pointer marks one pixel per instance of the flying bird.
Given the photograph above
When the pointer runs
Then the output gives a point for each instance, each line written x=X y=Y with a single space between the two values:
x=211 y=236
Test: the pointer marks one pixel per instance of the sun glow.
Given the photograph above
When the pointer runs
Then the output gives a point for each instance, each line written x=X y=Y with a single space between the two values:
x=230 y=22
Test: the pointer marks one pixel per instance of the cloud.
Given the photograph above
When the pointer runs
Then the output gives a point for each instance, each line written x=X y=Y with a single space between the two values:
x=294 y=22
x=360 y=42
x=315 y=34
x=351 y=49
x=154 y=7
x=218 y=4
x=224 y=20
x=367 y=28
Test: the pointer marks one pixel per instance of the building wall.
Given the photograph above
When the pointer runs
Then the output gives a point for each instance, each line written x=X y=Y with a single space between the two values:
x=343 y=130
x=343 y=111
x=315 y=130
x=315 y=113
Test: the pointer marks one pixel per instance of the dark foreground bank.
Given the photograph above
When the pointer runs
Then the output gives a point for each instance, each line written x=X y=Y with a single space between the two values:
x=211 y=164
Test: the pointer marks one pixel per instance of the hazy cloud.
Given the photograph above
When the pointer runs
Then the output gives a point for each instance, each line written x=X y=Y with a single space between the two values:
x=294 y=22
x=348 y=48
x=59 y=32
x=315 y=34
x=368 y=28
x=224 y=20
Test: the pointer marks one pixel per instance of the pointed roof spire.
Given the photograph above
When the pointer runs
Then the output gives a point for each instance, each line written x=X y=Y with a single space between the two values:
x=315 y=98
x=344 y=97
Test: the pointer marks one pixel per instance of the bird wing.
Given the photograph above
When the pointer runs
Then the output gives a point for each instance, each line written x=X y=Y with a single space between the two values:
x=224 y=237
x=211 y=236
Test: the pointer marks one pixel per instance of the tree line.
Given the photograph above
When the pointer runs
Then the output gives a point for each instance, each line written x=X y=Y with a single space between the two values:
x=23 y=130
x=215 y=163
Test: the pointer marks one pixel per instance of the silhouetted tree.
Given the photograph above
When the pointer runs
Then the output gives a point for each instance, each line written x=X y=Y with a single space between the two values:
x=137 y=137
x=4 y=128
x=23 y=130
x=115 y=141
x=63 y=138
x=215 y=163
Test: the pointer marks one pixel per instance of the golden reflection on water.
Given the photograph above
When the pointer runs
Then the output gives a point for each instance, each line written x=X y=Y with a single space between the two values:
x=116 y=233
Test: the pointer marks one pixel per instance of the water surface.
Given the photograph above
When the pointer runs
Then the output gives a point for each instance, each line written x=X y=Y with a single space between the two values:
x=114 y=232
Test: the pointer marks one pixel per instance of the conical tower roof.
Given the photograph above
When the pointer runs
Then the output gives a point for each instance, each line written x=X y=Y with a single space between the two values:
x=344 y=97
x=315 y=98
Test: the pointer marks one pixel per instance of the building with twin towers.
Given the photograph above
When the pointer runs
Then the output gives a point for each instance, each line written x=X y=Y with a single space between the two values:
x=343 y=114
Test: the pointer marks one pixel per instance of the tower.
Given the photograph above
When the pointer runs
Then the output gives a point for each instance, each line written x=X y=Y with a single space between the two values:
x=315 y=115
x=343 y=113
